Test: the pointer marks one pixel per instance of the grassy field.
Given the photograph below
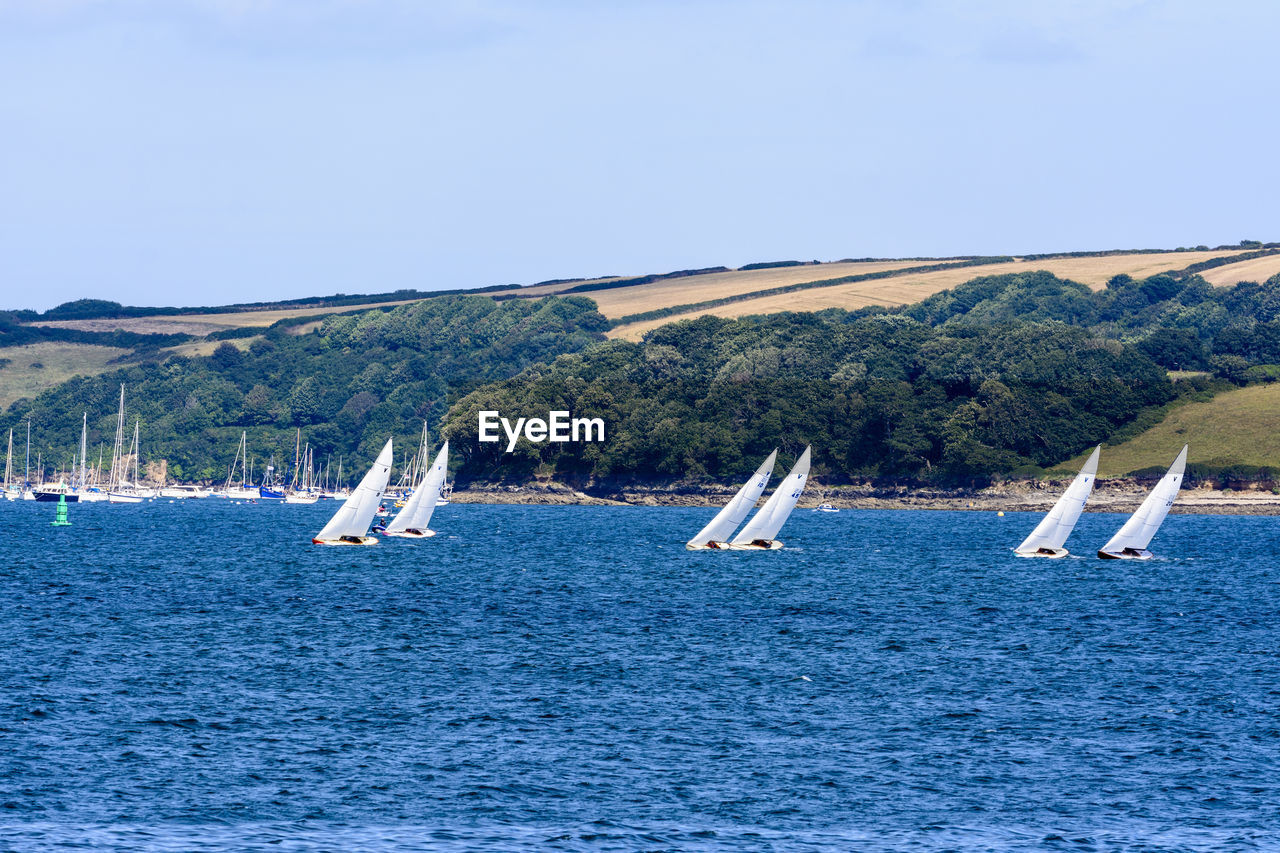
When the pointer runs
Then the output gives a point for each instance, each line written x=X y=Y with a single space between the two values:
x=20 y=378
x=912 y=287
x=1234 y=428
x=199 y=348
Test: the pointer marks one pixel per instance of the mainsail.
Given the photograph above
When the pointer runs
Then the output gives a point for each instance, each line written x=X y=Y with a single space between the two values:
x=728 y=519
x=416 y=514
x=768 y=520
x=1052 y=531
x=1137 y=532
x=353 y=517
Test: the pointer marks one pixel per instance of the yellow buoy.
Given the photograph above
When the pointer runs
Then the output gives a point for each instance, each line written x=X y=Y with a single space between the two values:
x=1000 y=513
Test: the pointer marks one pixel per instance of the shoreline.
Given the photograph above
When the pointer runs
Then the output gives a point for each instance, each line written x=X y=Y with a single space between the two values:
x=1118 y=496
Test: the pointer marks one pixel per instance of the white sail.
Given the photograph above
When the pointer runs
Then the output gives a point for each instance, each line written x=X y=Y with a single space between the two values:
x=353 y=517
x=417 y=511
x=1138 y=531
x=728 y=519
x=1052 y=531
x=768 y=520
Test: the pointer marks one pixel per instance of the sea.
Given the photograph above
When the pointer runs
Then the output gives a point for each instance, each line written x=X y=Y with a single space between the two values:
x=196 y=676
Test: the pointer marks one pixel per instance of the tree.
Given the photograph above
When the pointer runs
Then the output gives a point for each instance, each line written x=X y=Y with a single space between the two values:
x=226 y=357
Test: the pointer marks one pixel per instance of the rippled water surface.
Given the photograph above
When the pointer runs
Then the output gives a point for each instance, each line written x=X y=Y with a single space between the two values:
x=196 y=676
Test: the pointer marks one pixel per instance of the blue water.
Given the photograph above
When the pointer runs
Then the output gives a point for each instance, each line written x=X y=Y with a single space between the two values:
x=196 y=676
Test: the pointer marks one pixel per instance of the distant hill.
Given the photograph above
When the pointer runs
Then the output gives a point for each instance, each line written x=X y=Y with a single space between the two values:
x=75 y=334
x=915 y=370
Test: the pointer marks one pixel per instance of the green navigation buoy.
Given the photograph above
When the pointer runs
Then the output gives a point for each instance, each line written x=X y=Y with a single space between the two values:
x=60 y=517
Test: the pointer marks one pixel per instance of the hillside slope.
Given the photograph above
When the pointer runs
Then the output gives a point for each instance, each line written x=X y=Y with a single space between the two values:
x=1238 y=427
x=30 y=369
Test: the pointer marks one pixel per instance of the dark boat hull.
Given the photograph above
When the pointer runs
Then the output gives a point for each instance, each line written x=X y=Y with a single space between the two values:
x=52 y=497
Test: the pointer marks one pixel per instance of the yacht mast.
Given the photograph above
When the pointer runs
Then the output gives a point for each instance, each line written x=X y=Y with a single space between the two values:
x=117 y=453
x=134 y=452
x=84 y=435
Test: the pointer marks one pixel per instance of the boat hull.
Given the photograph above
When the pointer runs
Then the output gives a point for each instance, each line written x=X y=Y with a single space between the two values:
x=1051 y=554
x=347 y=540
x=758 y=545
x=124 y=499
x=238 y=494
x=52 y=497
x=1126 y=554
x=410 y=534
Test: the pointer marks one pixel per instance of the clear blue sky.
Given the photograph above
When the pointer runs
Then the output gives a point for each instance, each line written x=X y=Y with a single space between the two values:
x=180 y=152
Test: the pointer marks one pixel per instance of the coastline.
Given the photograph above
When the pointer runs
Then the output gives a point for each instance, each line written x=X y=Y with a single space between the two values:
x=1108 y=496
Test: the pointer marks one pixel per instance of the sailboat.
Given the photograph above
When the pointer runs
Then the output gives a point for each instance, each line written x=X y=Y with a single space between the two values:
x=1052 y=531
x=243 y=490
x=124 y=491
x=120 y=490
x=717 y=531
x=28 y=494
x=269 y=489
x=338 y=493
x=304 y=490
x=9 y=491
x=760 y=531
x=88 y=492
x=300 y=490
x=412 y=521
x=1131 y=541
x=350 y=523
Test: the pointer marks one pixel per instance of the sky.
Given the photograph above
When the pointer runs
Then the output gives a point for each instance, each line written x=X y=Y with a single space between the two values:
x=204 y=152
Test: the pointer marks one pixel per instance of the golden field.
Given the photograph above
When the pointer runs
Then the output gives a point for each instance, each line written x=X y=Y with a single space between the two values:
x=203 y=324
x=912 y=287
x=1258 y=269
x=635 y=299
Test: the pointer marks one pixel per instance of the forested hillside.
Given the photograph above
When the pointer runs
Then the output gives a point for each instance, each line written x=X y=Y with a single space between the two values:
x=884 y=397
x=347 y=385
x=1004 y=375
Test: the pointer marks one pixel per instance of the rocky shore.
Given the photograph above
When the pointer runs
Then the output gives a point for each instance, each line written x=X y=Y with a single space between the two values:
x=1108 y=496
